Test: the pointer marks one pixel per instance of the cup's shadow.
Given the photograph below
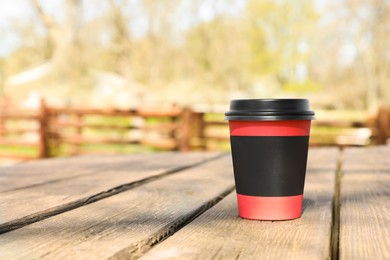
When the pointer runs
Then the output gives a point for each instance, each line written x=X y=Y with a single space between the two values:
x=306 y=203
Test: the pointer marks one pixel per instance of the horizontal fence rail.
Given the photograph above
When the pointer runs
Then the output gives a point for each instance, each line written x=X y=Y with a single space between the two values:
x=153 y=128
x=48 y=131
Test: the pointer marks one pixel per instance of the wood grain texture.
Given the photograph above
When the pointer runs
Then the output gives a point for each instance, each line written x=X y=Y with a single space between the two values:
x=365 y=204
x=20 y=207
x=126 y=224
x=220 y=234
x=48 y=170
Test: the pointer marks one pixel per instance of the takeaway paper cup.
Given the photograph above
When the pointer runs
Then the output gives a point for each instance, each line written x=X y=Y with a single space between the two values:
x=269 y=141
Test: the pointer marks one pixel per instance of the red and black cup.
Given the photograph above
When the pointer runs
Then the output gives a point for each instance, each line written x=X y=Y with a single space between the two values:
x=269 y=140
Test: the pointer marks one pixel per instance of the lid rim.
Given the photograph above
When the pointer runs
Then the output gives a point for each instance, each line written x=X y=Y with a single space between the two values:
x=268 y=118
x=270 y=109
x=270 y=113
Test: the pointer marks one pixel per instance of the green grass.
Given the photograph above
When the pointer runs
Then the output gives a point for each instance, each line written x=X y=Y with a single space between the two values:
x=19 y=150
x=214 y=117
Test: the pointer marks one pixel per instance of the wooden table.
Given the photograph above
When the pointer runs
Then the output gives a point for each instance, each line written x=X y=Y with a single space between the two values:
x=183 y=206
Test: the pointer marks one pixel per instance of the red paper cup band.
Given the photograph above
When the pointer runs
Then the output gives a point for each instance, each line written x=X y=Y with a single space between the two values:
x=270 y=128
x=269 y=208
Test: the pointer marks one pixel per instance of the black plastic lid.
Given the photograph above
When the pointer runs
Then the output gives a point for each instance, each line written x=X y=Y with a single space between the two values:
x=269 y=110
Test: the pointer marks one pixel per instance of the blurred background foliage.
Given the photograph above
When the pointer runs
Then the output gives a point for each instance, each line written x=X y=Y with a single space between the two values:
x=126 y=53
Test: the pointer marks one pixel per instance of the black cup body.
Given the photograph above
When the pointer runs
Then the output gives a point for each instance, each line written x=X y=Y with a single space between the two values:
x=269 y=141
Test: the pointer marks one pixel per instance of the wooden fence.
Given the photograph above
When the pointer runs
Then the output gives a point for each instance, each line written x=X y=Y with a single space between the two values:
x=48 y=131
x=373 y=130
x=161 y=129
x=23 y=129
x=210 y=131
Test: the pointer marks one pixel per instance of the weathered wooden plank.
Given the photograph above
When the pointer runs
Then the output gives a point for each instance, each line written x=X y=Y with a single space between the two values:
x=132 y=221
x=323 y=159
x=36 y=202
x=374 y=158
x=48 y=170
x=220 y=234
x=365 y=204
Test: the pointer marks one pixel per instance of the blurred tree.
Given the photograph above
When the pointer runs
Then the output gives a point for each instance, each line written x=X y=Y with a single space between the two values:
x=66 y=51
x=121 y=43
x=279 y=34
x=148 y=56
x=34 y=50
x=371 y=18
x=352 y=53
x=157 y=47
x=62 y=36
x=206 y=47
x=219 y=53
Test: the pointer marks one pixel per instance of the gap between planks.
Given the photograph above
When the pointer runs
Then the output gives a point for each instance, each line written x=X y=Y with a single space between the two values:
x=138 y=249
x=30 y=219
x=335 y=232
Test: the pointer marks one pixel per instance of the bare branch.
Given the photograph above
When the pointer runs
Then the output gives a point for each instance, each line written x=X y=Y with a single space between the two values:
x=48 y=21
x=119 y=21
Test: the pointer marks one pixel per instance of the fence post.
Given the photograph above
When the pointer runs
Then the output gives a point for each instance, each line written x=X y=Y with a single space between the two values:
x=4 y=104
x=200 y=130
x=2 y=128
x=383 y=124
x=185 y=130
x=174 y=133
x=43 y=131
x=79 y=132
x=2 y=125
